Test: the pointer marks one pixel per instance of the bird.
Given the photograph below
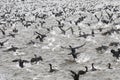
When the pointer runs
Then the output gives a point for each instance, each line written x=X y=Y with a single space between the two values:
x=109 y=66
x=31 y=42
x=93 y=68
x=101 y=48
x=13 y=48
x=114 y=44
x=73 y=50
x=36 y=59
x=40 y=36
x=21 y=62
x=12 y=35
x=75 y=75
x=2 y=43
x=81 y=72
x=51 y=69
x=115 y=53
x=15 y=30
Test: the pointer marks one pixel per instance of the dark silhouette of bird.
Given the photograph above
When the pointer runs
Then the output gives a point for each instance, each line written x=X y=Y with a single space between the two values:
x=104 y=21
x=80 y=20
x=21 y=62
x=114 y=44
x=115 y=53
x=51 y=69
x=76 y=75
x=36 y=59
x=101 y=48
x=13 y=48
x=31 y=42
x=107 y=33
x=2 y=43
x=40 y=36
x=12 y=35
x=109 y=66
x=81 y=72
x=15 y=30
x=93 y=68
x=73 y=50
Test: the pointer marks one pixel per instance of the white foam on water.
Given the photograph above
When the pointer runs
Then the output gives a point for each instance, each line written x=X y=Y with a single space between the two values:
x=18 y=53
x=53 y=33
x=45 y=47
x=91 y=40
x=83 y=58
x=56 y=47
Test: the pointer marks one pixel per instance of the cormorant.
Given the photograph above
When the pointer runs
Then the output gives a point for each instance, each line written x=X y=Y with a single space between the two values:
x=76 y=75
x=51 y=69
x=36 y=59
x=73 y=50
x=11 y=49
x=109 y=66
x=20 y=62
x=115 y=53
x=93 y=68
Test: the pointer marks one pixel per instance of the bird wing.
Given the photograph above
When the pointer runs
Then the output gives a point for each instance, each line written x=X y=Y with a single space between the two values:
x=79 y=46
x=16 y=60
x=65 y=48
x=5 y=41
x=73 y=72
x=25 y=61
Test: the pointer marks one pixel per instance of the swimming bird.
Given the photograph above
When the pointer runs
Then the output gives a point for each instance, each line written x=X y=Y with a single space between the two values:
x=21 y=62
x=109 y=66
x=36 y=59
x=51 y=69
x=101 y=48
x=93 y=68
x=15 y=30
x=81 y=72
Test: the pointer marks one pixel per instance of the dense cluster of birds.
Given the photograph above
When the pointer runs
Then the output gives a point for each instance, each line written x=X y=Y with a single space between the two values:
x=111 y=14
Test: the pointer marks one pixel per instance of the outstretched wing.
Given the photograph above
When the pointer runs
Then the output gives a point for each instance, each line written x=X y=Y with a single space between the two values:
x=79 y=46
x=25 y=61
x=73 y=72
x=16 y=60
x=5 y=41
x=65 y=48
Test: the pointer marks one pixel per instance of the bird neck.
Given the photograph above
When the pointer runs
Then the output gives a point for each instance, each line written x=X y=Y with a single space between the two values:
x=86 y=69
x=51 y=67
x=109 y=66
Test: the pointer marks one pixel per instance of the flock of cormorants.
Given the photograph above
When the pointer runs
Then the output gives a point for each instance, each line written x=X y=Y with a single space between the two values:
x=41 y=36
